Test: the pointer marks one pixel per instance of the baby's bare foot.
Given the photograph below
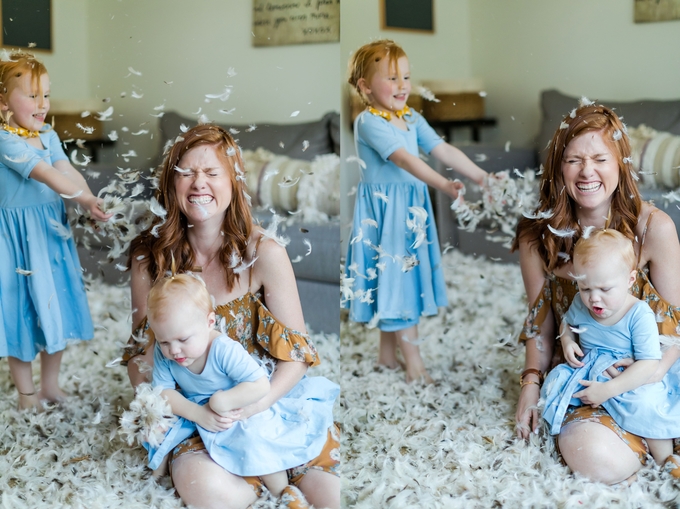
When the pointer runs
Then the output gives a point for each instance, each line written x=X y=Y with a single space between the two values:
x=53 y=395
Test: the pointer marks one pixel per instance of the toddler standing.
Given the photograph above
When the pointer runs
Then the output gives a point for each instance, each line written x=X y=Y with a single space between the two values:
x=42 y=296
x=394 y=256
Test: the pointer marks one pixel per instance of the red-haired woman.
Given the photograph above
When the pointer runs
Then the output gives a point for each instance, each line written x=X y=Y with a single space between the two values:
x=589 y=181
x=208 y=228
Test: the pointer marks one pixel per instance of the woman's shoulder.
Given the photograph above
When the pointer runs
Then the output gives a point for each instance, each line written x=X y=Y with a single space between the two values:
x=655 y=228
x=265 y=249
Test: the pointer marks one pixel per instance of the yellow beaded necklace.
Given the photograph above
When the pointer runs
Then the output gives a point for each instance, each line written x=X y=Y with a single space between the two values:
x=387 y=115
x=20 y=131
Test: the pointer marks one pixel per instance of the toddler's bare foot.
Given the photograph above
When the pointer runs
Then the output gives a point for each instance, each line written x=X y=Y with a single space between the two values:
x=391 y=364
x=416 y=375
x=53 y=395
x=29 y=401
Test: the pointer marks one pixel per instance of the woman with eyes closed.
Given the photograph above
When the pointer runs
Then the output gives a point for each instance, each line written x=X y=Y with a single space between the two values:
x=589 y=181
x=208 y=228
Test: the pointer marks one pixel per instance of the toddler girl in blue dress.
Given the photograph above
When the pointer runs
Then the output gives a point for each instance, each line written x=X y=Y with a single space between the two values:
x=217 y=377
x=42 y=296
x=393 y=257
x=612 y=325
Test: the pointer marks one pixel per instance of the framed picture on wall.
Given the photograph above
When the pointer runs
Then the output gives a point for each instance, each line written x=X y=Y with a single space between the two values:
x=27 y=24
x=656 y=10
x=415 y=15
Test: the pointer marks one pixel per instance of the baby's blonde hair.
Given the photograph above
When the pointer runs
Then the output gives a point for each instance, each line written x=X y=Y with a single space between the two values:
x=178 y=287
x=365 y=60
x=590 y=248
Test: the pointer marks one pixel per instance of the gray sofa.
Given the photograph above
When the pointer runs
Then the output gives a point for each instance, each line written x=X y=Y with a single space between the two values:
x=660 y=115
x=317 y=274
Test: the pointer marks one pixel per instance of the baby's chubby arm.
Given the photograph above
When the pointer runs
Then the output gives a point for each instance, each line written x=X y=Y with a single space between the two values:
x=570 y=347
x=64 y=179
x=239 y=396
x=202 y=415
x=636 y=375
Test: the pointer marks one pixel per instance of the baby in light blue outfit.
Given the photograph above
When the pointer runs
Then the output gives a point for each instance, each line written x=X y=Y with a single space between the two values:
x=217 y=378
x=612 y=325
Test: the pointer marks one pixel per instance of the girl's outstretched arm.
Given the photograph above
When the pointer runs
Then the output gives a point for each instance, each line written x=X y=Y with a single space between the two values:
x=68 y=183
x=422 y=171
x=452 y=157
x=243 y=394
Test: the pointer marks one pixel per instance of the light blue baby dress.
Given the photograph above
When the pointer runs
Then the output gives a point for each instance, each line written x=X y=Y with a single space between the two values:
x=290 y=433
x=650 y=411
x=392 y=277
x=43 y=310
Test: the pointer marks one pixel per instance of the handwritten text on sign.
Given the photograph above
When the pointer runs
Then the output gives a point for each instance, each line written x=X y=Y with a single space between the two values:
x=278 y=22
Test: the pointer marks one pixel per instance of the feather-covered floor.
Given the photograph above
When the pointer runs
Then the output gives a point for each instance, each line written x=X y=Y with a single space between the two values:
x=71 y=455
x=453 y=444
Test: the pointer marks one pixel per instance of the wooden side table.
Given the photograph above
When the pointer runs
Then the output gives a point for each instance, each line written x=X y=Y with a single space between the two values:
x=475 y=125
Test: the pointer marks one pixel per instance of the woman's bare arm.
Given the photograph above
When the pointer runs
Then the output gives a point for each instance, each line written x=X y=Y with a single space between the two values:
x=140 y=285
x=274 y=272
x=538 y=350
x=662 y=250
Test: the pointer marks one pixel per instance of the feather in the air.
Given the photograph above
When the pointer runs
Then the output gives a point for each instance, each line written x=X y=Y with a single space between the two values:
x=584 y=101
x=62 y=231
x=355 y=159
x=382 y=196
x=567 y=232
x=74 y=160
x=71 y=196
x=370 y=222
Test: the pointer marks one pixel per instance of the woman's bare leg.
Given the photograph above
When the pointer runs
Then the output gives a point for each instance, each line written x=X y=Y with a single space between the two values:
x=49 y=377
x=596 y=452
x=415 y=367
x=22 y=376
x=321 y=489
x=203 y=484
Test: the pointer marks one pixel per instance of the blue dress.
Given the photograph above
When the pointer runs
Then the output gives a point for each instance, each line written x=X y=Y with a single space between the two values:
x=44 y=310
x=291 y=432
x=651 y=410
x=393 y=276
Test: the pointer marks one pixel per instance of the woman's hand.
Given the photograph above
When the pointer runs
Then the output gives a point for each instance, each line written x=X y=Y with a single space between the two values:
x=212 y=421
x=527 y=417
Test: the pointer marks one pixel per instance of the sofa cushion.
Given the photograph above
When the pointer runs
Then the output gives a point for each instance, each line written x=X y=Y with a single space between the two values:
x=283 y=139
x=656 y=155
x=660 y=115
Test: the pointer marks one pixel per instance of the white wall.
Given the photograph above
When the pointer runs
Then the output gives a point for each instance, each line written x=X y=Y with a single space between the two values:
x=67 y=63
x=184 y=50
x=445 y=54
x=580 y=47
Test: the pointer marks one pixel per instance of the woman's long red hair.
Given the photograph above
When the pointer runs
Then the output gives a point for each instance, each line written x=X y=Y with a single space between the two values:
x=626 y=202
x=172 y=239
